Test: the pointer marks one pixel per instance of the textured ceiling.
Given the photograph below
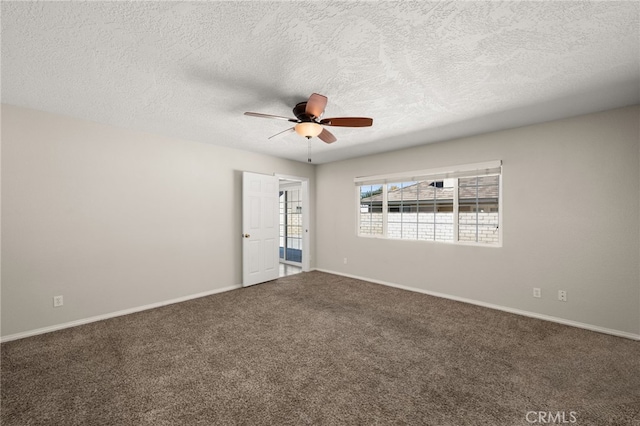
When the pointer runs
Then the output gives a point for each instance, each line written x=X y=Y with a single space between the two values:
x=425 y=71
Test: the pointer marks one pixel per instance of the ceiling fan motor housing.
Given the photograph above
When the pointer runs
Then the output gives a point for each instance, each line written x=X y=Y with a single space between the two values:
x=300 y=112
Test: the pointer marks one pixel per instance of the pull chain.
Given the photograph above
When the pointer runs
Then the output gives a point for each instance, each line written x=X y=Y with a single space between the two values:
x=309 y=156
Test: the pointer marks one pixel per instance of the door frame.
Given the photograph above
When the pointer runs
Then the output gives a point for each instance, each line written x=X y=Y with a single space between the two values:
x=306 y=220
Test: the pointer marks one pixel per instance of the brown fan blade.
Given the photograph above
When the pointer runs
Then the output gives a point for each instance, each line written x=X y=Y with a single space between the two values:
x=327 y=136
x=291 y=130
x=348 y=121
x=315 y=105
x=278 y=117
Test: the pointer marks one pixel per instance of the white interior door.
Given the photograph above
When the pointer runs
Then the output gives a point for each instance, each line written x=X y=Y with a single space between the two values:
x=260 y=226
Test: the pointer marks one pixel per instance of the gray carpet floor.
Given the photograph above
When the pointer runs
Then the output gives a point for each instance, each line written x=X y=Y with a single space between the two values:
x=316 y=348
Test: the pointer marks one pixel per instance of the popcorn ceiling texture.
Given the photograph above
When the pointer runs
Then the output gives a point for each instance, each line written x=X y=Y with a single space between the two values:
x=425 y=71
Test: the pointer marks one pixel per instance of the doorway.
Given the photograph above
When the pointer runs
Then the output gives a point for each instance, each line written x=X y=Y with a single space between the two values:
x=293 y=225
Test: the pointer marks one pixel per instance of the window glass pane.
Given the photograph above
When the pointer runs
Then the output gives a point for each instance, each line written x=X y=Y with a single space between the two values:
x=488 y=234
x=425 y=207
x=370 y=210
x=426 y=218
x=295 y=243
x=445 y=193
x=444 y=218
x=467 y=232
x=409 y=217
x=371 y=193
x=402 y=204
x=365 y=228
x=394 y=229
x=478 y=208
x=472 y=181
x=467 y=207
x=444 y=233
x=488 y=218
x=443 y=206
x=410 y=231
x=426 y=232
x=488 y=180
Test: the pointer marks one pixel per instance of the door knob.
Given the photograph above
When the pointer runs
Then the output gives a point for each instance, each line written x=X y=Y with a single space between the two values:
x=246 y=235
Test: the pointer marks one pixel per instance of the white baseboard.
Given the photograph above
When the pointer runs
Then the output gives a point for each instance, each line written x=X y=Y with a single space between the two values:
x=577 y=324
x=83 y=321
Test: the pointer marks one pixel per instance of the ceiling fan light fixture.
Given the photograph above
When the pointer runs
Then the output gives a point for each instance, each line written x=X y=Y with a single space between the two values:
x=308 y=129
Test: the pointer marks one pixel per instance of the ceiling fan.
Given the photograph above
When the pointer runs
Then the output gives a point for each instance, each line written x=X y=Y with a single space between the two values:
x=309 y=122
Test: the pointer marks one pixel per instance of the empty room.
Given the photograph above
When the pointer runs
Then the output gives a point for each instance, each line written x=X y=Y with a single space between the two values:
x=320 y=213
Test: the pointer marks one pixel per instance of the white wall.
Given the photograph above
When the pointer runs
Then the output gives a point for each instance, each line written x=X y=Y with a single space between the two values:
x=114 y=219
x=585 y=169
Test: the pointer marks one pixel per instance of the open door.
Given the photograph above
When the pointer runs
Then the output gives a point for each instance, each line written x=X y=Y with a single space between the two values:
x=260 y=228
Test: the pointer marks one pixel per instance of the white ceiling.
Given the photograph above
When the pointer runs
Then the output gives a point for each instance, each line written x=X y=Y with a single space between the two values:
x=425 y=71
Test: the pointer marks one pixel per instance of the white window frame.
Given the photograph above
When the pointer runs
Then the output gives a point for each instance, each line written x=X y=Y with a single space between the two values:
x=489 y=168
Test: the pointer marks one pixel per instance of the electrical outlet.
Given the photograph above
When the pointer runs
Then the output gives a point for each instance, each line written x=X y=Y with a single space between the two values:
x=345 y=260
x=562 y=295
x=57 y=301
x=537 y=292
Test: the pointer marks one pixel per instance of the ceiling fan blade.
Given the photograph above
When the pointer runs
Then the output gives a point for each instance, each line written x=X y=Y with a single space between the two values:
x=278 y=117
x=327 y=136
x=315 y=105
x=291 y=130
x=348 y=121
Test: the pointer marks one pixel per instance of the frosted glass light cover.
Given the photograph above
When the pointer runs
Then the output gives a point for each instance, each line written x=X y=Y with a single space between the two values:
x=308 y=129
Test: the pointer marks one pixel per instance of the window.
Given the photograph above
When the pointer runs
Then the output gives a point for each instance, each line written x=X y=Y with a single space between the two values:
x=456 y=205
